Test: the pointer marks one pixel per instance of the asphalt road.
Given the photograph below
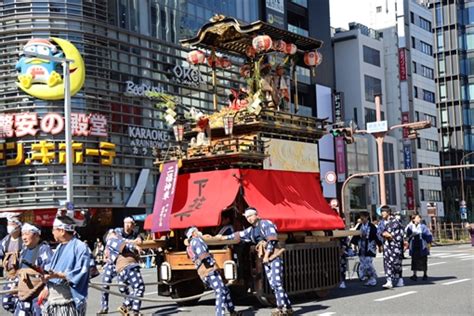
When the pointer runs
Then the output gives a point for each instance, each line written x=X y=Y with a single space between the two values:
x=448 y=291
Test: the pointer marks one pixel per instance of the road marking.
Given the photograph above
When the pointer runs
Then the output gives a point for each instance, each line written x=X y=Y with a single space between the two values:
x=467 y=259
x=454 y=282
x=439 y=254
x=455 y=255
x=150 y=293
x=327 y=314
x=434 y=264
x=468 y=256
x=394 y=296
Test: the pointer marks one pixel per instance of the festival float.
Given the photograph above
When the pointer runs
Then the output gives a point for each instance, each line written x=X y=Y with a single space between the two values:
x=257 y=151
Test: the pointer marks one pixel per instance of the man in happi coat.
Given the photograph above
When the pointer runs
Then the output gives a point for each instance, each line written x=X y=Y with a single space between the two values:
x=127 y=232
x=10 y=248
x=264 y=234
x=124 y=254
x=366 y=244
x=206 y=266
x=392 y=248
x=419 y=237
x=34 y=256
x=68 y=273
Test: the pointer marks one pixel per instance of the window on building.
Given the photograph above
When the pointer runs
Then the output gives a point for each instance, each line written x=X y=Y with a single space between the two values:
x=373 y=87
x=428 y=96
x=370 y=115
x=442 y=92
x=471 y=91
x=430 y=195
x=439 y=14
x=431 y=173
x=112 y=12
x=414 y=67
x=426 y=48
x=371 y=56
x=431 y=145
x=425 y=24
x=378 y=9
x=412 y=17
x=123 y=14
x=440 y=40
x=444 y=117
x=413 y=42
x=427 y=72
x=415 y=92
x=441 y=66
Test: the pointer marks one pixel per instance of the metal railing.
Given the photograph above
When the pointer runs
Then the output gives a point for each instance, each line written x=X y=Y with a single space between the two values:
x=449 y=232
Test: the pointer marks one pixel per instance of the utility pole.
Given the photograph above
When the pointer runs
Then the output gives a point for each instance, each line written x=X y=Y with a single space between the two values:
x=379 y=140
x=67 y=121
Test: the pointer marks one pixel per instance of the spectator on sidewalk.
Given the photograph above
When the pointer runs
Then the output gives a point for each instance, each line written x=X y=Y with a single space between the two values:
x=419 y=237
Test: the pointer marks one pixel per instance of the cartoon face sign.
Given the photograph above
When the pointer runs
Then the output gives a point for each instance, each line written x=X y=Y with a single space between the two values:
x=40 y=77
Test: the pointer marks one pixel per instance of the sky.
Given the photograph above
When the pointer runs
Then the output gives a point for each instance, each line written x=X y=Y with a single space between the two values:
x=345 y=11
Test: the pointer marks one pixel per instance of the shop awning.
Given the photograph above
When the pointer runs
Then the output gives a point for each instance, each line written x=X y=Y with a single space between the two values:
x=201 y=197
x=292 y=200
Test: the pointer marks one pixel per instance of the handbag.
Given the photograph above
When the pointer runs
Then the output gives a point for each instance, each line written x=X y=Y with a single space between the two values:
x=29 y=284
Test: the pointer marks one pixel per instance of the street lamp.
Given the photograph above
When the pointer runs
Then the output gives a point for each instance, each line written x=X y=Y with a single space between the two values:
x=67 y=120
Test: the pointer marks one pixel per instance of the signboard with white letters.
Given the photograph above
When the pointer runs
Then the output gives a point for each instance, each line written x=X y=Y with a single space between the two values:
x=143 y=140
x=377 y=127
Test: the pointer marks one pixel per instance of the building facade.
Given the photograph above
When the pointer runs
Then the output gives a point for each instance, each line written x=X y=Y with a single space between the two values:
x=453 y=24
x=129 y=48
x=360 y=76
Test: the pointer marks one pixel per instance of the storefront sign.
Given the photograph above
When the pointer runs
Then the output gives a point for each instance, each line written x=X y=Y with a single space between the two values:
x=402 y=64
x=142 y=139
x=405 y=119
x=410 y=193
x=338 y=106
x=188 y=76
x=28 y=123
x=407 y=155
x=275 y=11
x=133 y=89
x=39 y=77
x=47 y=152
x=340 y=159
x=164 y=197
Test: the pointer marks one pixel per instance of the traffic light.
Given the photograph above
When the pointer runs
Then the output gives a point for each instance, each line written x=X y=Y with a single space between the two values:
x=346 y=132
x=412 y=134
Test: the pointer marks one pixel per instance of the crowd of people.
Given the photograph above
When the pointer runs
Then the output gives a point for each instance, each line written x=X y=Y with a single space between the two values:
x=40 y=280
x=391 y=238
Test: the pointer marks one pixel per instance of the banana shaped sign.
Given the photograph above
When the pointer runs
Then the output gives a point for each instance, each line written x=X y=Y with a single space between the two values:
x=40 y=77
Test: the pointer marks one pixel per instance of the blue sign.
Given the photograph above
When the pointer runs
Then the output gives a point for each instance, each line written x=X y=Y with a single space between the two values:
x=463 y=210
x=407 y=155
x=69 y=206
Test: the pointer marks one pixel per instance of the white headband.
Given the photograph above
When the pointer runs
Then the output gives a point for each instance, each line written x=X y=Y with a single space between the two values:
x=129 y=219
x=250 y=212
x=30 y=228
x=190 y=231
x=13 y=220
x=59 y=224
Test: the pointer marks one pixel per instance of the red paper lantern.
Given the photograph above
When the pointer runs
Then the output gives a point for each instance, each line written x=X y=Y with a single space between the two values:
x=196 y=57
x=262 y=43
x=225 y=63
x=290 y=49
x=313 y=58
x=250 y=52
x=279 y=45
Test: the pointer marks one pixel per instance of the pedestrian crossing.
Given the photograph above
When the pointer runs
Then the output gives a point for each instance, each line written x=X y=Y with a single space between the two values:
x=446 y=255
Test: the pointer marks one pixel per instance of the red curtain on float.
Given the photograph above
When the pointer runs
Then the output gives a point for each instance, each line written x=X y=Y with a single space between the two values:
x=201 y=197
x=292 y=200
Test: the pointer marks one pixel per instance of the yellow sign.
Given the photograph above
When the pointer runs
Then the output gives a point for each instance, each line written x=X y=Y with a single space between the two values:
x=40 y=77
x=44 y=152
x=291 y=156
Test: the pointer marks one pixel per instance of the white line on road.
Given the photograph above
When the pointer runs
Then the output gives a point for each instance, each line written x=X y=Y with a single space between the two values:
x=454 y=282
x=456 y=255
x=467 y=259
x=327 y=314
x=150 y=293
x=468 y=256
x=394 y=296
x=439 y=254
x=435 y=263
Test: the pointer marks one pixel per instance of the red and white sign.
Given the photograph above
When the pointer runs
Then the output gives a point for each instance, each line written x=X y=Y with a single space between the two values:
x=334 y=203
x=330 y=177
x=402 y=64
